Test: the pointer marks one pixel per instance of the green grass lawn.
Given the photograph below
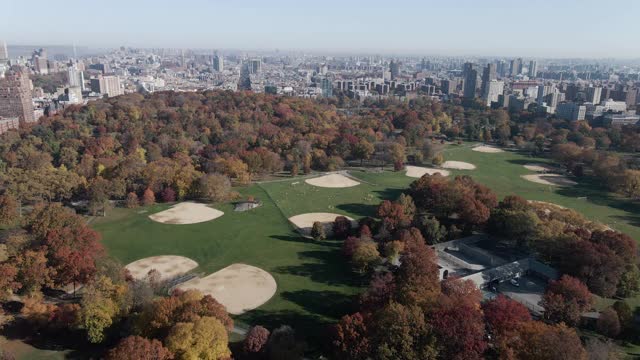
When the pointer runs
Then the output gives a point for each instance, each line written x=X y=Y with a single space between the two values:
x=315 y=285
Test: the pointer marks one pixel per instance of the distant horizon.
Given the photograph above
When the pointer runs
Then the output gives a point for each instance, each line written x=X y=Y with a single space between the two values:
x=320 y=52
x=562 y=29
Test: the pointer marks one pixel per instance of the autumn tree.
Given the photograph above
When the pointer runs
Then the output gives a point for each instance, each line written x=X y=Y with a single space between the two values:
x=132 y=201
x=393 y=215
x=256 y=340
x=215 y=187
x=608 y=324
x=539 y=341
x=205 y=338
x=139 y=348
x=9 y=209
x=401 y=332
x=350 y=338
x=33 y=272
x=102 y=304
x=418 y=276
x=8 y=283
x=148 y=197
x=365 y=256
x=284 y=345
x=341 y=227
x=317 y=231
x=566 y=299
x=503 y=315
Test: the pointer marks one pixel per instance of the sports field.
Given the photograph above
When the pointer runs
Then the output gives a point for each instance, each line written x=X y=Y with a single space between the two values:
x=314 y=284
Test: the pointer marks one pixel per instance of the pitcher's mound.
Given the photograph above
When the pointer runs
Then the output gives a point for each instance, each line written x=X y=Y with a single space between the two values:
x=169 y=266
x=186 y=213
x=418 y=171
x=304 y=222
x=487 y=149
x=538 y=167
x=550 y=179
x=458 y=165
x=238 y=287
x=332 y=181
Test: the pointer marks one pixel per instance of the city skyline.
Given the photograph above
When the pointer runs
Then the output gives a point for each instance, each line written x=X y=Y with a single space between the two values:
x=565 y=29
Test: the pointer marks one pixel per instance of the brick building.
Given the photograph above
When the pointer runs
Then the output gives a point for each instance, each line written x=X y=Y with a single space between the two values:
x=15 y=96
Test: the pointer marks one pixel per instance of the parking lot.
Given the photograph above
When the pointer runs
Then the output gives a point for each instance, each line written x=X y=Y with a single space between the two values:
x=529 y=292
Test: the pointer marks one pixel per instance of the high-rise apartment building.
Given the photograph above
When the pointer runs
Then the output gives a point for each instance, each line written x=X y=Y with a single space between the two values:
x=516 y=67
x=15 y=96
x=470 y=75
x=327 y=87
x=571 y=111
x=255 y=66
x=488 y=74
x=394 y=68
x=4 y=53
x=492 y=91
x=109 y=85
x=76 y=77
x=218 y=63
x=533 y=69
x=594 y=94
x=40 y=62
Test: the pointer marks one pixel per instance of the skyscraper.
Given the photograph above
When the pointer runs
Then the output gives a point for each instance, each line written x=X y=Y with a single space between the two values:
x=516 y=67
x=4 y=53
x=594 y=94
x=493 y=90
x=218 y=63
x=470 y=75
x=255 y=66
x=533 y=69
x=394 y=68
x=76 y=77
x=327 y=87
x=488 y=74
x=15 y=96
x=40 y=62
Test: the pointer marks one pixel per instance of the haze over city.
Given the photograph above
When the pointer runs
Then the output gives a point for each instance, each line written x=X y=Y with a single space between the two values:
x=543 y=28
x=329 y=180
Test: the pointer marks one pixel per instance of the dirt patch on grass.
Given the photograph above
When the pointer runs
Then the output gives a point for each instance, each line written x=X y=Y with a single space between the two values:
x=458 y=165
x=238 y=287
x=419 y=171
x=304 y=222
x=186 y=213
x=538 y=167
x=169 y=266
x=487 y=149
x=550 y=179
x=332 y=181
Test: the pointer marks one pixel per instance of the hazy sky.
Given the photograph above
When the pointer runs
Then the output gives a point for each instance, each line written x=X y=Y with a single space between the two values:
x=554 y=28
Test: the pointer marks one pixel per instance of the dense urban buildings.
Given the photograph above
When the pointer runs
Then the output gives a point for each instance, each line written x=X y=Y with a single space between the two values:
x=15 y=96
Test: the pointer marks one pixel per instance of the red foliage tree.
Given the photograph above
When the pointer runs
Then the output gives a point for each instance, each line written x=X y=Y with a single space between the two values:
x=566 y=299
x=148 y=198
x=504 y=316
x=418 y=276
x=539 y=341
x=392 y=215
x=381 y=291
x=365 y=232
x=8 y=283
x=256 y=340
x=139 y=348
x=168 y=195
x=350 y=338
x=608 y=323
x=350 y=245
x=73 y=252
x=341 y=227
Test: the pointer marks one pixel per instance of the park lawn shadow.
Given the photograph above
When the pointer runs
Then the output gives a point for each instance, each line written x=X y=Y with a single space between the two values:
x=533 y=160
x=596 y=193
x=327 y=267
x=389 y=193
x=330 y=304
x=362 y=210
